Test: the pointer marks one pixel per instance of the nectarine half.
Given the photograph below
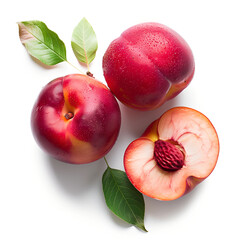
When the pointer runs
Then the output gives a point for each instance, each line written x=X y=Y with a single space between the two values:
x=174 y=154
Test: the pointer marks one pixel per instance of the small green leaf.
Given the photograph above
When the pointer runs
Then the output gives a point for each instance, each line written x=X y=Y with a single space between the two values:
x=84 y=42
x=122 y=198
x=41 y=42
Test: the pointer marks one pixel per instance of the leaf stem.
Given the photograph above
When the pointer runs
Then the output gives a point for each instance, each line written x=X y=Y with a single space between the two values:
x=106 y=161
x=88 y=67
x=74 y=67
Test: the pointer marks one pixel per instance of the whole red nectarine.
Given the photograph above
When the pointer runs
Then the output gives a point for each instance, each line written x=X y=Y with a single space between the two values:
x=148 y=65
x=76 y=119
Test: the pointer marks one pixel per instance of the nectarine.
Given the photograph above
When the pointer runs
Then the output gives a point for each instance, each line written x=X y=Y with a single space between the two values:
x=174 y=154
x=148 y=65
x=76 y=119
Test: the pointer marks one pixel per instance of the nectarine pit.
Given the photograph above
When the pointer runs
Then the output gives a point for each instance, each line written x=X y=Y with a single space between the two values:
x=168 y=155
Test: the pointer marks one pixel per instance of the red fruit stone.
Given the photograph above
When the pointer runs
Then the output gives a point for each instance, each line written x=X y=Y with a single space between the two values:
x=168 y=156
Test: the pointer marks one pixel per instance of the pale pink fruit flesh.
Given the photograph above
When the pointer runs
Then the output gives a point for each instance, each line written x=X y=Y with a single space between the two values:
x=194 y=133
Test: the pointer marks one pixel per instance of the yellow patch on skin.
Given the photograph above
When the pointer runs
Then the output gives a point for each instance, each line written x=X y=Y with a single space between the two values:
x=178 y=87
x=81 y=151
x=81 y=146
x=152 y=132
x=170 y=92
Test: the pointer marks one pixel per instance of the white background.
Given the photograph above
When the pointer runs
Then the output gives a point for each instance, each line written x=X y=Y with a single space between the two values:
x=42 y=198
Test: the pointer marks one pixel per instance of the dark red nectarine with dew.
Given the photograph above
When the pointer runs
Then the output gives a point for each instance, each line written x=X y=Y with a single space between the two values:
x=76 y=119
x=174 y=154
x=148 y=65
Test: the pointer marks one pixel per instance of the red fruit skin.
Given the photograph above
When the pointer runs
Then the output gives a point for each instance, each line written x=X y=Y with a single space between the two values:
x=148 y=65
x=95 y=125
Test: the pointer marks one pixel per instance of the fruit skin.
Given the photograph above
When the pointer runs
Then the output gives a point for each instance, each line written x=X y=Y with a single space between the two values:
x=194 y=134
x=148 y=65
x=76 y=119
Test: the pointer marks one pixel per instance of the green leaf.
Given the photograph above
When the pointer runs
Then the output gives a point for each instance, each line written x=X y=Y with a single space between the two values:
x=84 y=42
x=122 y=198
x=42 y=43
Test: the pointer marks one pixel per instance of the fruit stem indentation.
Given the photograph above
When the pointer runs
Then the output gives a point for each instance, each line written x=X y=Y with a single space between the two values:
x=69 y=115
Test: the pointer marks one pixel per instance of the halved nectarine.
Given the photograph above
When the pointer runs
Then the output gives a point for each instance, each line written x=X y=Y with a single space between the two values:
x=175 y=153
